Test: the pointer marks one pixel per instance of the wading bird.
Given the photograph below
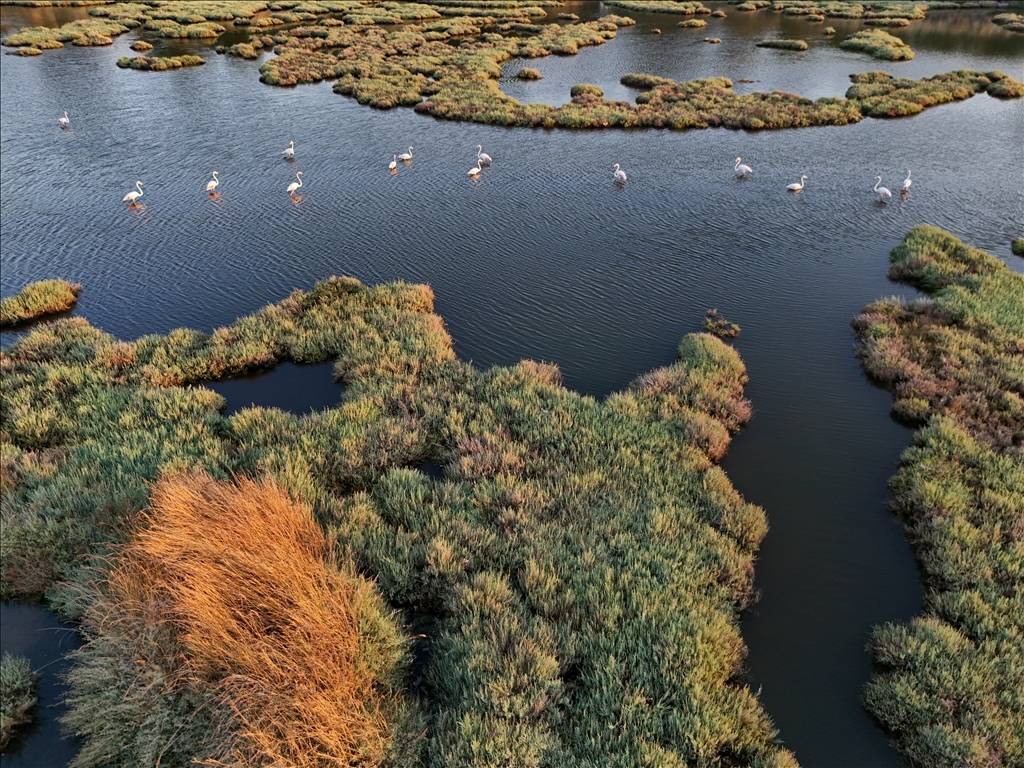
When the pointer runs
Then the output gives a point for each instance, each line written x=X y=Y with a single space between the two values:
x=406 y=156
x=906 y=184
x=742 y=169
x=64 y=122
x=797 y=186
x=393 y=165
x=482 y=158
x=211 y=185
x=620 y=175
x=475 y=170
x=884 y=195
x=289 y=153
x=133 y=197
x=296 y=185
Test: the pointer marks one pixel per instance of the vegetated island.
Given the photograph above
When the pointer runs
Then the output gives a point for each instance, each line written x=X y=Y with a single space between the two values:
x=17 y=695
x=37 y=300
x=1011 y=22
x=448 y=66
x=579 y=560
x=950 y=684
x=879 y=44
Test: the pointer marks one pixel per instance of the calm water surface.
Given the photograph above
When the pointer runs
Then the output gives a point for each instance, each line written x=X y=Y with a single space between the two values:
x=545 y=258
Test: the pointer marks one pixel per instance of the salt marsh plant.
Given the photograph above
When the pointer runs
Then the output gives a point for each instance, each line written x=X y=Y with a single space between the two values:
x=879 y=44
x=950 y=684
x=532 y=556
x=785 y=45
x=159 y=63
x=17 y=695
x=693 y=23
x=1017 y=246
x=528 y=73
x=1011 y=22
x=36 y=300
x=680 y=7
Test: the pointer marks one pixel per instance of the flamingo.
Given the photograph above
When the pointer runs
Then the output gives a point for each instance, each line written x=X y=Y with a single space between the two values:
x=906 y=184
x=742 y=169
x=65 y=121
x=289 y=153
x=475 y=170
x=295 y=185
x=482 y=158
x=620 y=175
x=797 y=186
x=211 y=185
x=406 y=156
x=884 y=195
x=133 y=197
x=393 y=165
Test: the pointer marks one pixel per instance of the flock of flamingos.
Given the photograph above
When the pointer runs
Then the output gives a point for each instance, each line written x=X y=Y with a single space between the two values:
x=742 y=170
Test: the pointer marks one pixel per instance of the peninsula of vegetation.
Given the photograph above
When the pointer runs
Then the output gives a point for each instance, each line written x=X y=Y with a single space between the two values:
x=36 y=300
x=578 y=561
x=951 y=683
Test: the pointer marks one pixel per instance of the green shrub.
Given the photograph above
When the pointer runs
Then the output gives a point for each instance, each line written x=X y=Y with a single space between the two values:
x=879 y=44
x=36 y=300
x=17 y=695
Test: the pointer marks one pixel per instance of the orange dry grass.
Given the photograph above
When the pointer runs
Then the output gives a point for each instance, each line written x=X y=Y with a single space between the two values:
x=247 y=579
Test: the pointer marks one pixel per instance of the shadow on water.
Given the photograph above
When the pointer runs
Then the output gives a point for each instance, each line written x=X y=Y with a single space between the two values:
x=32 y=631
x=299 y=389
x=544 y=259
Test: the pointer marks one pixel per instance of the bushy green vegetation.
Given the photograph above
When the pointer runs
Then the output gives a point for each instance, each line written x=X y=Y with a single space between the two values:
x=159 y=63
x=38 y=299
x=141 y=46
x=579 y=560
x=17 y=695
x=528 y=73
x=1017 y=246
x=951 y=683
x=879 y=94
x=785 y=45
x=879 y=44
x=78 y=32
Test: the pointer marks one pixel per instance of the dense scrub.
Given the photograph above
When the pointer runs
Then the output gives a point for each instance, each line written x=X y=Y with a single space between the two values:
x=579 y=560
x=785 y=45
x=159 y=63
x=951 y=683
x=17 y=695
x=879 y=44
x=36 y=300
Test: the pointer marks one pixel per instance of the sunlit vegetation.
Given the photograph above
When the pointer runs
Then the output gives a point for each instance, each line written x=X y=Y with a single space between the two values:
x=141 y=46
x=1011 y=22
x=828 y=31
x=78 y=32
x=579 y=560
x=879 y=44
x=693 y=23
x=879 y=94
x=879 y=14
x=784 y=45
x=528 y=73
x=1017 y=246
x=159 y=63
x=951 y=683
x=36 y=300
x=715 y=322
x=17 y=695
x=232 y=597
x=753 y=5
x=661 y=6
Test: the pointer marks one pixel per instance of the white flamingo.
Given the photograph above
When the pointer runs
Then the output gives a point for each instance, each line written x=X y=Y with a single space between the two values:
x=65 y=121
x=482 y=158
x=406 y=156
x=289 y=153
x=211 y=185
x=742 y=169
x=133 y=197
x=797 y=186
x=620 y=175
x=296 y=185
x=884 y=195
x=393 y=165
x=906 y=184
x=475 y=170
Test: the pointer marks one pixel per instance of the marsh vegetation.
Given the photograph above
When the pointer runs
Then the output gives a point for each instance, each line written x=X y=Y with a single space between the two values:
x=879 y=44
x=37 y=300
x=17 y=695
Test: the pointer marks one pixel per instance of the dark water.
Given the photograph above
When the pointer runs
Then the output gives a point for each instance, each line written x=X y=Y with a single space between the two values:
x=34 y=632
x=300 y=389
x=544 y=257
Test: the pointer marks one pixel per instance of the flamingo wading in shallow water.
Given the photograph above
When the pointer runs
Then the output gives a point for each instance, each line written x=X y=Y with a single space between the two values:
x=393 y=165
x=906 y=184
x=65 y=121
x=620 y=175
x=798 y=186
x=296 y=185
x=289 y=153
x=742 y=169
x=211 y=185
x=133 y=197
x=884 y=195
x=475 y=170
x=406 y=156
x=482 y=158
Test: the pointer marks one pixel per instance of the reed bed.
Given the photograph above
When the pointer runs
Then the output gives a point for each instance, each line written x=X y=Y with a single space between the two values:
x=950 y=684
x=17 y=695
x=37 y=300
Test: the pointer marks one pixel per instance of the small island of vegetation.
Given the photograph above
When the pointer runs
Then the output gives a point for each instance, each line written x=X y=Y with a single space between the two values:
x=37 y=300
x=879 y=44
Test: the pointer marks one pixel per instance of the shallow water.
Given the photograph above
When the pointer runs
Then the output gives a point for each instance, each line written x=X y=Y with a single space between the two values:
x=544 y=257
x=300 y=389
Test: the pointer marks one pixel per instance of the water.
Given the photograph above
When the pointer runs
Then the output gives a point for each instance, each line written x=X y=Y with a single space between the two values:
x=545 y=258
x=32 y=631
x=300 y=389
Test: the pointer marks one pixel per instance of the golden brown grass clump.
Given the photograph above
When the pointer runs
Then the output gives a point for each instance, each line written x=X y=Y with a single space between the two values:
x=296 y=648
